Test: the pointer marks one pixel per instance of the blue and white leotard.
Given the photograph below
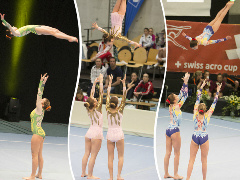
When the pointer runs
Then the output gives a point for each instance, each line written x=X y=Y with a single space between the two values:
x=176 y=113
x=200 y=135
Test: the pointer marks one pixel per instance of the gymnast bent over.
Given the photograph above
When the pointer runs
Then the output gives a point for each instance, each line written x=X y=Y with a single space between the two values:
x=210 y=29
x=201 y=119
x=38 y=137
x=173 y=138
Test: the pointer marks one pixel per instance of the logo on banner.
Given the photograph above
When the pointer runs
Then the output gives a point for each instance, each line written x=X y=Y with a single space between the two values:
x=134 y=3
x=173 y=35
x=185 y=1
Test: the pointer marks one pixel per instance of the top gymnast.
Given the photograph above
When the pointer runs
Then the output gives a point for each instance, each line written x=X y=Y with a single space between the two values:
x=173 y=138
x=36 y=29
x=117 y=16
x=210 y=29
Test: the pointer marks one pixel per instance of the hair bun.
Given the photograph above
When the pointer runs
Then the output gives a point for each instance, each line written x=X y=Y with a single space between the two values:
x=112 y=105
x=48 y=108
x=86 y=104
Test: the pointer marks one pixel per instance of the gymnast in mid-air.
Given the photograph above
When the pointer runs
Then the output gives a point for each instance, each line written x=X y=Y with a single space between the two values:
x=36 y=29
x=210 y=29
x=117 y=16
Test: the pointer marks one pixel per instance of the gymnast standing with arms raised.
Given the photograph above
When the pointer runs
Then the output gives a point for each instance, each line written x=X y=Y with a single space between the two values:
x=173 y=138
x=115 y=134
x=94 y=135
x=200 y=140
x=36 y=29
x=210 y=29
x=38 y=137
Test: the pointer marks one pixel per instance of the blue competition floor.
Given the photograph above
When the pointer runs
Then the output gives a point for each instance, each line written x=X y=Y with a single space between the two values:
x=138 y=164
x=224 y=148
x=16 y=160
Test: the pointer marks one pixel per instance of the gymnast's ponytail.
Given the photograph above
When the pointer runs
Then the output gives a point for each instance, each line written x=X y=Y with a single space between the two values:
x=46 y=105
x=170 y=99
x=202 y=108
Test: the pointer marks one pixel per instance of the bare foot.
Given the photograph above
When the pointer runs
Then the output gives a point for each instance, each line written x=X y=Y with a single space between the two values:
x=166 y=176
x=120 y=178
x=84 y=175
x=73 y=39
x=29 y=178
x=92 y=177
x=177 y=177
x=38 y=176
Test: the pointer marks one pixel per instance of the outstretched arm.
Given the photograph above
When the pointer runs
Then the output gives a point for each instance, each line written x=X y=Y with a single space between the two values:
x=122 y=105
x=219 y=40
x=42 y=83
x=94 y=25
x=187 y=37
x=110 y=77
x=184 y=90
x=199 y=94
x=93 y=88
x=100 y=99
x=211 y=110
x=129 y=41
x=5 y=23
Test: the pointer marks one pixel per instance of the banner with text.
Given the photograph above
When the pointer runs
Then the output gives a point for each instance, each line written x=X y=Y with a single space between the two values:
x=181 y=58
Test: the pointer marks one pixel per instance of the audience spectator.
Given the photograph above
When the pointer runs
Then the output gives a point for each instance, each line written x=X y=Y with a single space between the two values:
x=117 y=76
x=219 y=81
x=146 y=39
x=153 y=38
x=80 y=96
x=231 y=84
x=95 y=72
x=161 y=57
x=209 y=83
x=144 y=89
x=161 y=39
x=106 y=53
x=132 y=85
x=196 y=79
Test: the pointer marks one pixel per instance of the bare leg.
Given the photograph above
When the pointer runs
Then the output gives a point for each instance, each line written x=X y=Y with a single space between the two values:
x=217 y=16
x=123 y=7
x=110 y=146
x=86 y=156
x=46 y=30
x=193 y=153
x=117 y=6
x=176 y=142
x=40 y=162
x=35 y=147
x=120 y=149
x=167 y=156
x=95 y=147
x=218 y=22
x=204 y=153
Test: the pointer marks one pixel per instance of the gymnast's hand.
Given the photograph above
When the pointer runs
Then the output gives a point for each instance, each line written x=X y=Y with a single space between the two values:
x=124 y=79
x=228 y=37
x=186 y=77
x=2 y=16
x=219 y=87
x=203 y=84
x=44 y=78
x=94 y=25
x=183 y=34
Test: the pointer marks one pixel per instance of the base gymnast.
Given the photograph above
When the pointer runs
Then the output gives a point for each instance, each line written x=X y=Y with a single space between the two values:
x=38 y=137
x=94 y=135
x=210 y=29
x=200 y=136
x=36 y=29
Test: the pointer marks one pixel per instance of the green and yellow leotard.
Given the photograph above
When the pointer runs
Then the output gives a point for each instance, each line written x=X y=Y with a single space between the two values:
x=36 y=119
x=23 y=30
